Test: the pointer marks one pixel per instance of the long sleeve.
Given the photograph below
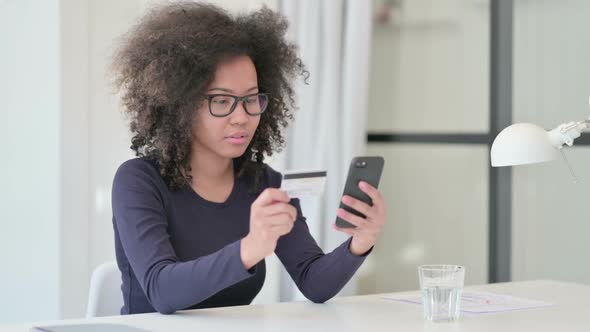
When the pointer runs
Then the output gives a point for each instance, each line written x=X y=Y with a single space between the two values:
x=140 y=219
x=318 y=276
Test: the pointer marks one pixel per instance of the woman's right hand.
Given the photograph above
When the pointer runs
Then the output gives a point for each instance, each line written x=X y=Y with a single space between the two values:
x=271 y=216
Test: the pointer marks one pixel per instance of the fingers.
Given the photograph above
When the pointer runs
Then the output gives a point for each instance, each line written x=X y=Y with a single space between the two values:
x=351 y=218
x=367 y=230
x=281 y=230
x=358 y=205
x=278 y=208
x=374 y=194
x=271 y=195
x=277 y=220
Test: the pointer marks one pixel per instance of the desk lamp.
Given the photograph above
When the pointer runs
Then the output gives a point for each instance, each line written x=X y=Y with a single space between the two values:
x=526 y=143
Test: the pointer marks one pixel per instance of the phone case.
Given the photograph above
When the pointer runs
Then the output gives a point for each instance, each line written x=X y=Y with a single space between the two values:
x=366 y=169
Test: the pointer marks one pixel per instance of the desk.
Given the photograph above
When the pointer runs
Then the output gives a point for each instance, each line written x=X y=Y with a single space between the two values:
x=570 y=312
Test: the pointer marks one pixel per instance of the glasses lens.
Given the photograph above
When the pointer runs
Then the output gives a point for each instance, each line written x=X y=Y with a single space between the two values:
x=256 y=104
x=221 y=105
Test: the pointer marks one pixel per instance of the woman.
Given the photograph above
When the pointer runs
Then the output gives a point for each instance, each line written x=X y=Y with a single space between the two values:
x=207 y=95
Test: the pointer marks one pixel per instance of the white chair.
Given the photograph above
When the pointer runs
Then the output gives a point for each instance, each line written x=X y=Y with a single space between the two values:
x=105 y=297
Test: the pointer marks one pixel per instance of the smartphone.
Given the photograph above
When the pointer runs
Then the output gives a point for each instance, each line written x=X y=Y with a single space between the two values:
x=366 y=169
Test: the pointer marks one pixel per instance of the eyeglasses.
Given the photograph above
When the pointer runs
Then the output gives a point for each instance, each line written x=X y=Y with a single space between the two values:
x=221 y=105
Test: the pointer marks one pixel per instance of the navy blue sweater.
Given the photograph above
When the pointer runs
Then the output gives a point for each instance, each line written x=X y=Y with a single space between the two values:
x=178 y=251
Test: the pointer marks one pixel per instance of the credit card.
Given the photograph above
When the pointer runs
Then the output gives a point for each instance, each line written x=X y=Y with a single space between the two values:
x=304 y=183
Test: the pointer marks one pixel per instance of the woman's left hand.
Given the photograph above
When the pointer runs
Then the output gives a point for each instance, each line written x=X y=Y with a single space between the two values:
x=367 y=230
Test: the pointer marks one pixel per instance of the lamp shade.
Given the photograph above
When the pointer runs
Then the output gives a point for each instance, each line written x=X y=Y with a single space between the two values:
x=522 y=143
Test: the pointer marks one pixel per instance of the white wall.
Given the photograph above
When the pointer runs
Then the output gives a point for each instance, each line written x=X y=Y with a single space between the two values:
x=109 y=139
x=95 y=141
x=550 y=216
x=30 y=163
x=73 y=235
x=430 y=68
x=429 y=73
x=438 y=207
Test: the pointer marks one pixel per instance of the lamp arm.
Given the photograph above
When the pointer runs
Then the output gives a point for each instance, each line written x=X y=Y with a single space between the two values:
x=565 y=133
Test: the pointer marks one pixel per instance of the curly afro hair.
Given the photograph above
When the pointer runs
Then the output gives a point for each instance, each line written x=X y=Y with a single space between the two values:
x=166 y=63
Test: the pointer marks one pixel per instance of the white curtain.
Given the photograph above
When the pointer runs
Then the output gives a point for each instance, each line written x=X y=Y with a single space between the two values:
x=330 y=125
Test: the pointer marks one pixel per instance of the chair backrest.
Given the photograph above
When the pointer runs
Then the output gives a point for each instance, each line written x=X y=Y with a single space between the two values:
x=105 y=297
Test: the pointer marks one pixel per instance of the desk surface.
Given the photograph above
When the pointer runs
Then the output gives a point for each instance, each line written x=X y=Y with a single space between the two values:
x=570 y=310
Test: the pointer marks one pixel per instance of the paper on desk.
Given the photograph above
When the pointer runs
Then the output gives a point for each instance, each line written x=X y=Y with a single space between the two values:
x=473 y=302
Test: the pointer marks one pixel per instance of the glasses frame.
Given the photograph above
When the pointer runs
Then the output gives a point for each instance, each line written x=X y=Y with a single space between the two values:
x=235 y=103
